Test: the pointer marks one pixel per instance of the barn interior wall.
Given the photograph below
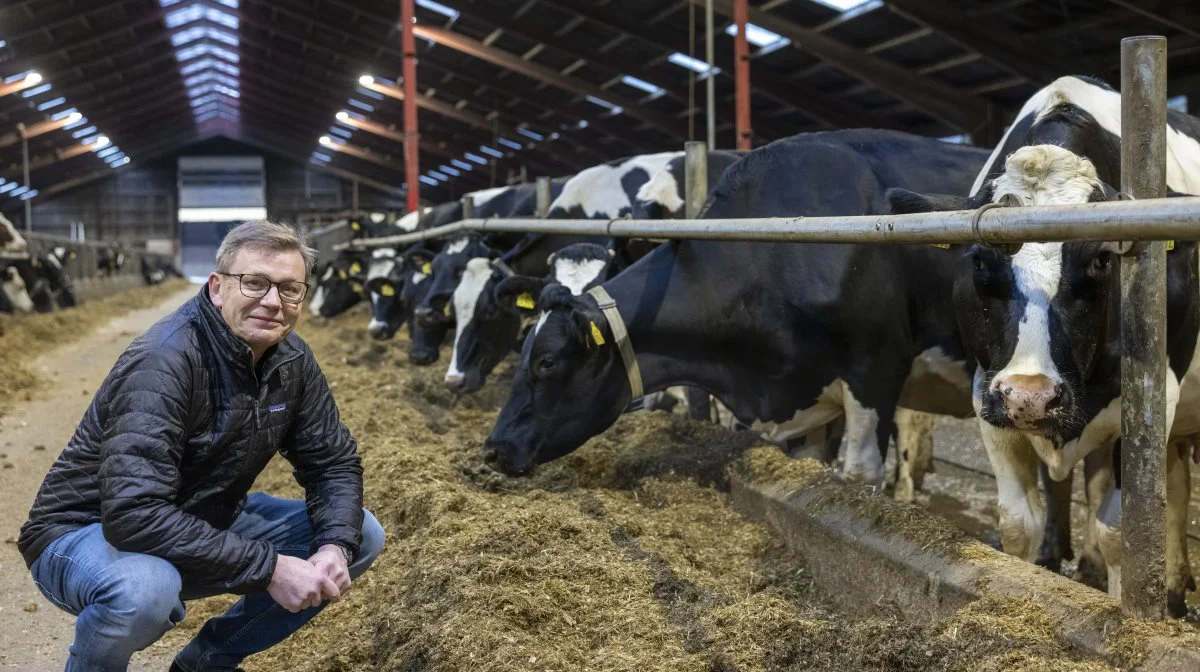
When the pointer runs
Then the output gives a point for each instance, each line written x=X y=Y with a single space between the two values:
x=141 y=203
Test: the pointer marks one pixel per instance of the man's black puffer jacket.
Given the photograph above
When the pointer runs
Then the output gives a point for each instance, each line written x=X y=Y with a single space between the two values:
x=175 y=437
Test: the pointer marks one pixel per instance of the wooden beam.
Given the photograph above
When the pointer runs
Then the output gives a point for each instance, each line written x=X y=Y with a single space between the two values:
x=501 y=58
x=1167 y=12
x=42 y=23
x=1001 y=48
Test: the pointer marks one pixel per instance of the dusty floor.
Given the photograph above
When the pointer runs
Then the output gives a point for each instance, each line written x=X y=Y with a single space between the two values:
x=33 y=634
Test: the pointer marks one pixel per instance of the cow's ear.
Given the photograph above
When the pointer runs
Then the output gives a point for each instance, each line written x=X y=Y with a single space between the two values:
x=905 y=202
x=419 y=260
x=518 y=294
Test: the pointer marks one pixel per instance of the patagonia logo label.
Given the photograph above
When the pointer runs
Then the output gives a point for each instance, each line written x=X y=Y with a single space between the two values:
x=275 y=408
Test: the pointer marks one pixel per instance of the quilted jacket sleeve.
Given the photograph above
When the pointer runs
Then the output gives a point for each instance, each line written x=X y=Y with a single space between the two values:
x=327 y=464
x=144 y=416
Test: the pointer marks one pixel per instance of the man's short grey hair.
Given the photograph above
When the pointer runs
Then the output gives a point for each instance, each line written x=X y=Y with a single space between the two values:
x=264 y=235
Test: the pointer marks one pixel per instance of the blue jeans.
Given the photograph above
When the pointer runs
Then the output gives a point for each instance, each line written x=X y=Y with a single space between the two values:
x=127 y=601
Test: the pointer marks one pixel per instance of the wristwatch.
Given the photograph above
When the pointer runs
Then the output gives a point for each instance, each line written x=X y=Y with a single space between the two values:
x=346 y=552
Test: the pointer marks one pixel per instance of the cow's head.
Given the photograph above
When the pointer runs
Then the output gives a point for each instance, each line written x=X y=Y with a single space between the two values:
x=341 y=284
x=570 y=385
x=417 y=275
x=1037 y=317
x=448 y=266
x=384 y=284
x=15 y=288
x=490 y=308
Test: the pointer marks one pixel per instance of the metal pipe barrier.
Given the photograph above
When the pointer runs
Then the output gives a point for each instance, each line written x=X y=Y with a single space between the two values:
x=1139 y=225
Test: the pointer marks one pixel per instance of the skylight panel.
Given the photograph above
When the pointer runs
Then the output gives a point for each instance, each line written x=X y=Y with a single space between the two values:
x=462 y=164
x=29 y=93
x=531 y=134
x=361 y=105
x=429 y=180
x=615 y=109
x=449 y=171
x=439 y=8
x=50 y=104
x=844 y=5
x=1178 y=103
x=341 y=130
x=491 y=151
x=324 y=158
x=29 y=194
x=693 y=64
x=476 y=158
x=510 y=144
x=649 y=88
x=760 y=37
x=86 y=131
x=8 y=187
x=438 y=176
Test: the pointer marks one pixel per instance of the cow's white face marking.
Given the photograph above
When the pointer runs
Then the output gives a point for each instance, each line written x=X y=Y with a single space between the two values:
x=318 y=300
x=541 y=320
x=662 y=189
x=418 y=277
x=457 y=246
x=474 y=278
x=1040 y=175
x=576 y=274
x=598 y=190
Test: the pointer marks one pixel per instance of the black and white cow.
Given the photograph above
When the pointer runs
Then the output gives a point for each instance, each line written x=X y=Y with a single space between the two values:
x=1042 y=325
x=610 y=189
x=15 y=288
x=438 y=288
x=340 y=284
x=661 y=197
x=777 y=332
x=53 y=267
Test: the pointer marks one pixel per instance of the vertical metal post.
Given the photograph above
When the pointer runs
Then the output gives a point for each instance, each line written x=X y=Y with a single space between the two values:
x=25 y=160
x=412 y=136
x=695 y=180
x=1143 y=335
x=710 y=110
x=543 y=197
x=741 y=73
x=468 y=203
x=354 y=198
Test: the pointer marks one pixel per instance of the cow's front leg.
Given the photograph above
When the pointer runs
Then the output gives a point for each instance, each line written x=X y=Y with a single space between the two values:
x=1098 y=480
x=1179 y=570
x=1021 y=511
x=914 y=451
x=1056 y=543
x=864 y=455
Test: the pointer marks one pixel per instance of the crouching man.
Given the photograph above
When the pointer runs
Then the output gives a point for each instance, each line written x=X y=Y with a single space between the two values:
x=147 y=506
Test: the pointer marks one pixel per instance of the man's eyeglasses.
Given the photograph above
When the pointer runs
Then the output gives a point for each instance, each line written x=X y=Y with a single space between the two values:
x=256 y=286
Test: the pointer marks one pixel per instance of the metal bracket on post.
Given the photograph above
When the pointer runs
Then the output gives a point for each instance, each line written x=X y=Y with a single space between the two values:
x=695 y=181
x=1143 y=335
x=543 y=197
x=468 y=203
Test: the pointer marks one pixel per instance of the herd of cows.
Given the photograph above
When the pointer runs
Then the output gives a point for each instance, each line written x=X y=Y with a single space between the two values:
x=40 y=282
x=792 y=338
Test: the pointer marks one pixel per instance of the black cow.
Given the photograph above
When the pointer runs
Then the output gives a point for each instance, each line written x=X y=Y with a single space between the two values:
x=661 y=197
x=777 y=332
x=1041 y=325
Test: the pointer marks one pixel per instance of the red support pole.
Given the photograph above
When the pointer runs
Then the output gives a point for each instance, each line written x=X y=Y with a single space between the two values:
x=741 y=73
x=412 y=136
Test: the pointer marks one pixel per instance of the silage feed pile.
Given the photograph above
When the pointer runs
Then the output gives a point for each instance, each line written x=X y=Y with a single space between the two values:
x=24 y=337
x=623 y=556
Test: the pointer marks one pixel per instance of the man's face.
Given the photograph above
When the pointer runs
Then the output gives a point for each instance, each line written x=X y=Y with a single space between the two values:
x=264 y=321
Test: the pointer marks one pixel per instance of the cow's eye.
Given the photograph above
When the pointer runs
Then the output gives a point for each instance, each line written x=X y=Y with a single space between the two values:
x=1102 y=261
x=977 y=262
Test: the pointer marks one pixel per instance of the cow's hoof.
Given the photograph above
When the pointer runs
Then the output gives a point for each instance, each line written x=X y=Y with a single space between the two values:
x=1092 y=573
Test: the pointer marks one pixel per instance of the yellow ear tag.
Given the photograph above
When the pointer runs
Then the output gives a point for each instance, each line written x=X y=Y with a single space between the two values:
x=355 y=226
x=1170 y=245
x=941 y=246
x=356 y=267
x=446 y=310
x=72 y=255
x=387 y=290
x=525 y=300
x=341 y=275
x=358 y=288
x=597 y=335
x=427 y=268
